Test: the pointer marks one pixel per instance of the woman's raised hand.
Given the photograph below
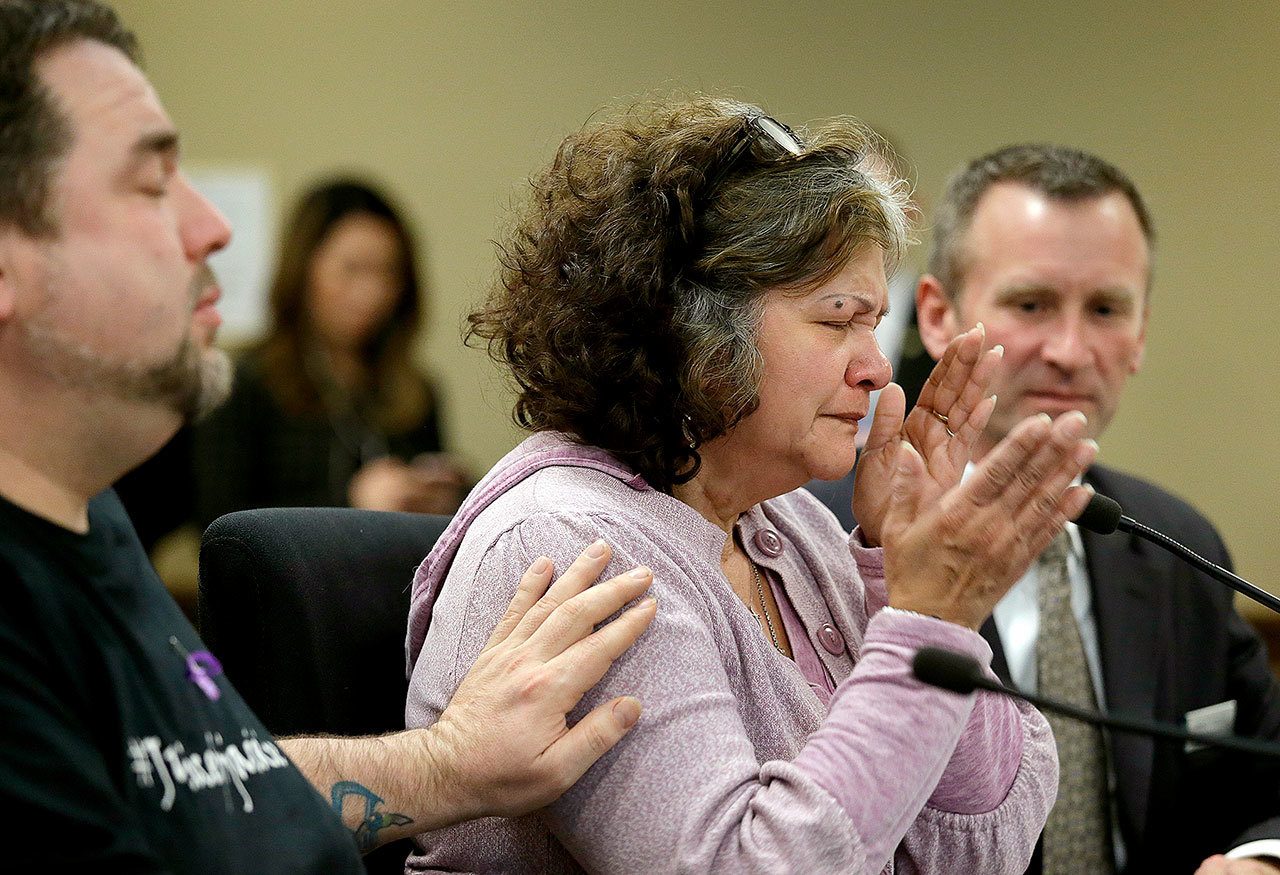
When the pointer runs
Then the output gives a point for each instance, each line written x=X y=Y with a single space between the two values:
x=955 y=556
x=950 y=414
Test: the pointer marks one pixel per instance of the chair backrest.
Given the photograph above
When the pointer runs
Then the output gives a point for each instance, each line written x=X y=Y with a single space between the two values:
x=307 y=608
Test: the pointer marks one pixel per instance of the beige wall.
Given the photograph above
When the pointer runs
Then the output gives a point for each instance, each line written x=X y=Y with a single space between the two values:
x=454 y=104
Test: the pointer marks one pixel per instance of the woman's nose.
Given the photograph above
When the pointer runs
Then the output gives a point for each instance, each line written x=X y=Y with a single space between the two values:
x=870 y=369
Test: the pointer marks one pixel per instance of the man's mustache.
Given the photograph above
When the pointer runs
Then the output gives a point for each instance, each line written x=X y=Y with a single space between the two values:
x=204 y=278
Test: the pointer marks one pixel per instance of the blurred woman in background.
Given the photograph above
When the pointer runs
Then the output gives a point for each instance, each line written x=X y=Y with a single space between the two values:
x=329 y=409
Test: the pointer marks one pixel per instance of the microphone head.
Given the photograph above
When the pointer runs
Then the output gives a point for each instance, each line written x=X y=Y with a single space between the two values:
x=1101 y=515
x=947 y=669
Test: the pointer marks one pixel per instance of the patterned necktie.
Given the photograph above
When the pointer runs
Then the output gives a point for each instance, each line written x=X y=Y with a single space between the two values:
x=1077 y=837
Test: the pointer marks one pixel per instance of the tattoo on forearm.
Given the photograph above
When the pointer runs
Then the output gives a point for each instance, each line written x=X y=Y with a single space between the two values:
x=366 y=834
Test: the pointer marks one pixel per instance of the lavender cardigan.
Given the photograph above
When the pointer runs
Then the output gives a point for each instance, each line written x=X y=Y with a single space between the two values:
x=735 y=765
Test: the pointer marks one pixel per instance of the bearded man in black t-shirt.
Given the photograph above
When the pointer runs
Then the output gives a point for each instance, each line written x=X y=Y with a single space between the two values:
x=122 y=748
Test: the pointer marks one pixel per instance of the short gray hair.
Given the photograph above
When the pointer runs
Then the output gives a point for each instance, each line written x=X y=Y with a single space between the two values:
x=1060 y=172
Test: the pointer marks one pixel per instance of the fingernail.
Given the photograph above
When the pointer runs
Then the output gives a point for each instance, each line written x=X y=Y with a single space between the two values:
x=648 y=603
x=1044 y=417
x=1086 y=453
x=541 y=565
x=994 y=399
x=627 y=711
x=1074 y=422
x=998 y=349
x=981 y=328
x=596 y=550
x=640 y=573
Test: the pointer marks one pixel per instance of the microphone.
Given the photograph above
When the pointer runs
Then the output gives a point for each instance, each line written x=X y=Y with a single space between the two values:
x=958 y=673
x=1103 y=515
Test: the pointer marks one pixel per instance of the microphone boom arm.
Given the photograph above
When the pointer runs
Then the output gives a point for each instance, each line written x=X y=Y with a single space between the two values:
x=1104 y=516
x=961 y=674
x=1239 y=584
x=1121 y=723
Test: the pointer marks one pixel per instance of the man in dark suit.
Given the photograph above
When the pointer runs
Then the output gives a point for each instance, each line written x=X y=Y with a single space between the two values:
x=1050 y=248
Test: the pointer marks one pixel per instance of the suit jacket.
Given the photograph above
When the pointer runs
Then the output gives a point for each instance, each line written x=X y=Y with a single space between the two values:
x=1170 y=642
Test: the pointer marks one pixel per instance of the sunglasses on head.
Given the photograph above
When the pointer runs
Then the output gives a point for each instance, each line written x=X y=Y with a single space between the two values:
x=758 y=125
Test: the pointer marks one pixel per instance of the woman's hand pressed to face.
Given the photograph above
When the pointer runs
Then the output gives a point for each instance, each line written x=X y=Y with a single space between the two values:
x=955 y=556
x=949 y=416
x=952 y=550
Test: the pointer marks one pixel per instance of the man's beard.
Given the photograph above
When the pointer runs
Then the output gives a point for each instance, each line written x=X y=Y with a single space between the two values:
x=191 y=382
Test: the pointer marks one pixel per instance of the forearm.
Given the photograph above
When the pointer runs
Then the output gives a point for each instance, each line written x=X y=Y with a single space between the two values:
x=992 y=801
x=887 y=739
x=384 y=787
x=986 y=759
x=501 y=747
x=889 y=744
x=993 y=735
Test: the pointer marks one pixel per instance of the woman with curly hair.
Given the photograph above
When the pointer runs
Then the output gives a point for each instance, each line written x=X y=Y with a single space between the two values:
x=687 y=307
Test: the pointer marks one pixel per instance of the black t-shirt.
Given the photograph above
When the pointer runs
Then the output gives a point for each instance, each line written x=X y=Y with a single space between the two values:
x=115 y=756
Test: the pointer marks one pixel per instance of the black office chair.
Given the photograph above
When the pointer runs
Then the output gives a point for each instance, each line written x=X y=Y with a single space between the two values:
x=306 y=608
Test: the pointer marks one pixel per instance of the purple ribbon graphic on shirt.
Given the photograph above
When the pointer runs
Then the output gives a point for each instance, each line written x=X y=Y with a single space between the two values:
x=202 y=668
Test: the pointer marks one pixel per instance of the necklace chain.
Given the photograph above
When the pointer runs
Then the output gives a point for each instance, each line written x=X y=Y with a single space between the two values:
x=773 y=633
